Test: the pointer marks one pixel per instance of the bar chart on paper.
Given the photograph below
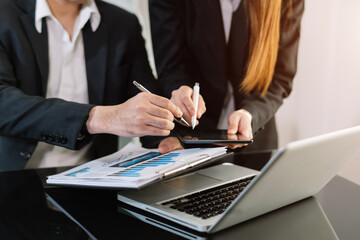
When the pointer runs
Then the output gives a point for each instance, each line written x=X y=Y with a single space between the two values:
x=147 y=161
x=134 y=168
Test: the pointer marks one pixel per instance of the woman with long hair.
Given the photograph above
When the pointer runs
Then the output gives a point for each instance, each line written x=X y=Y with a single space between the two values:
x=243 y=53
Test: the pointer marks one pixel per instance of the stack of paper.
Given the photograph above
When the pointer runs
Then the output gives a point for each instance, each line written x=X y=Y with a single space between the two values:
x=133 y=167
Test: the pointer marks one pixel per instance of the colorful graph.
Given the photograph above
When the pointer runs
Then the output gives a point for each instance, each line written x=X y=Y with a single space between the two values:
x=74 y=174
x=135 y=166
x=136 y=160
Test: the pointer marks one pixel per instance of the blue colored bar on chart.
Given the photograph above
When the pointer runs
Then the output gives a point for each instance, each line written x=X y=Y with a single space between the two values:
x=153 y=162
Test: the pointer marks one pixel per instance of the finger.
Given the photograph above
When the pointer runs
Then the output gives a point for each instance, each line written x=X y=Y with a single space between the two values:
x=154 y=131
x=157 y=122
x=187 y=101
x=169 y=144
x=183 y=97
x=231 y=145
x=186 y=113
x=232 y=137
x=146 y=130
x=160 y=113
x=245 y=127
x=242 y=137
x=201 y=107
x=234 y=146
x=197 y=122
x=233 y=121
x=165 y=103
x=189 y=137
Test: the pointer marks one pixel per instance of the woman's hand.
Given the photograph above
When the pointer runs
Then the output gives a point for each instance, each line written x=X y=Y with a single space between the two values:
x=182 y=97
x=240 y=122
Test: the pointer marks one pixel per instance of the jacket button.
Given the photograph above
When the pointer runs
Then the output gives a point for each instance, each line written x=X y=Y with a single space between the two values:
x=25 y=155
x=51 y=138
x=57 y=139
x=63 y=140
x=44 y=137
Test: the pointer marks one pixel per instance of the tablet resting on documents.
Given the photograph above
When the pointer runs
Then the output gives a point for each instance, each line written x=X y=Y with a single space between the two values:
x=214 y=136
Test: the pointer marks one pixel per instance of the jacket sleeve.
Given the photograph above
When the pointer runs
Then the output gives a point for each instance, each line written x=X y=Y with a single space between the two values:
x=169 y=44
x=54 y=121
x=263 y=109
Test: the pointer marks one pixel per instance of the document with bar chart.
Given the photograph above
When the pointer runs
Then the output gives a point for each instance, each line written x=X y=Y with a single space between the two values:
x=134 y=167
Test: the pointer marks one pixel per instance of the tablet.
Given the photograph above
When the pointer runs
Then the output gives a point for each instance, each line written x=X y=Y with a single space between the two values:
x=189 y=136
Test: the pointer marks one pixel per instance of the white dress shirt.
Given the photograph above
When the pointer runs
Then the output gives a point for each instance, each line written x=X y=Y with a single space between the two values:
x=67 y=76
x=228 y=7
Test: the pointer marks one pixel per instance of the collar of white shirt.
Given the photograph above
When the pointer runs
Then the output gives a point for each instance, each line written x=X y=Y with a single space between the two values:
x=88 y=11
x=233 y=3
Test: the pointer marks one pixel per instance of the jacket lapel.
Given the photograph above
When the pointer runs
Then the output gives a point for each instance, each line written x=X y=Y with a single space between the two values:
x=238 y=46
x=39 y=41
x=96 y=52
x=210 y=18
x=95 y=45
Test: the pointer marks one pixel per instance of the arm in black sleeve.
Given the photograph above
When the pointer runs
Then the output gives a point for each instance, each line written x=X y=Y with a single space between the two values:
x=23 y=116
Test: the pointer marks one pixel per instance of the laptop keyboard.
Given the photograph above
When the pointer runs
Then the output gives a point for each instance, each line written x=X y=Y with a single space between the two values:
x=210 y=202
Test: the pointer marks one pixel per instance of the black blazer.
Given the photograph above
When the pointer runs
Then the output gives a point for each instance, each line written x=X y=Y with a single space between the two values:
x=189 y=46
x=115 y=56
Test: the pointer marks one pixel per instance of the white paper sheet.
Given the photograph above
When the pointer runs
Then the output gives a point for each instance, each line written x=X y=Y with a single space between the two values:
x=133 y=167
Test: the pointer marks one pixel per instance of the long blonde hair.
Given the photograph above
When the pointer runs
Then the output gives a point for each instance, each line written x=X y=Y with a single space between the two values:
x=264 y=21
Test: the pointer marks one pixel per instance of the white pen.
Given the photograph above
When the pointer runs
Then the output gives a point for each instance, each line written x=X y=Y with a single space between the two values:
x=143 y=89
x=196 y=103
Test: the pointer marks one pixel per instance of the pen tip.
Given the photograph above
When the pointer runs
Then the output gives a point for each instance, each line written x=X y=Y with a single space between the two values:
x=184 y=121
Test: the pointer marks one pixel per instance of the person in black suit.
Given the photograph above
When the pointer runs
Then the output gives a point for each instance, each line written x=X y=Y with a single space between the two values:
x=242 y=50
x=80 y=49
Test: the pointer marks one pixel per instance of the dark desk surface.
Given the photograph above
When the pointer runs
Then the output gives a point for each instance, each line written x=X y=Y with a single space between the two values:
x=27 y=213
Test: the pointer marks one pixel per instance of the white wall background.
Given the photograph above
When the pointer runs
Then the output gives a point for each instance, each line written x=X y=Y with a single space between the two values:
x=326 y=92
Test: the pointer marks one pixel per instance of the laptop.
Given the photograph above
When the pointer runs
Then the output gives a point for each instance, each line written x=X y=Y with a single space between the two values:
x=218 y=197
x=304 y=219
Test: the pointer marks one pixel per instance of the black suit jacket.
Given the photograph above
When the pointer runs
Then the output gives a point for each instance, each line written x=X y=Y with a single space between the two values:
x=189 y=46
x=115 y=56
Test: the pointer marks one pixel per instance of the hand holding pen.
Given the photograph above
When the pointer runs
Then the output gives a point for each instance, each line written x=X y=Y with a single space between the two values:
x=184 y=99
x=143 y=89
x=141 y=115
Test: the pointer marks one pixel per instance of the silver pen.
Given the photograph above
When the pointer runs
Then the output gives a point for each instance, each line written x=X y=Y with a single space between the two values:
x=143 y=89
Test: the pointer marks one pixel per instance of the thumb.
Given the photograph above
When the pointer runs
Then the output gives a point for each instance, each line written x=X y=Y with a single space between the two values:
x=233 y=123
x=245 y=127
x=169 y=144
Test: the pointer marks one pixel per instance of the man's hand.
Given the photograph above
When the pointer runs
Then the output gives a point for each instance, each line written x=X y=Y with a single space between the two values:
x=144 y=114
x=169 y=144
x=182 y=98
x=240 y=123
